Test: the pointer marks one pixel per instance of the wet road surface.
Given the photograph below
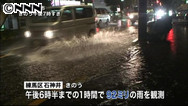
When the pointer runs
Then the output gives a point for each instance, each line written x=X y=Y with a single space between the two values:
x=106 y=61
x=76 y=60
x=147 y=66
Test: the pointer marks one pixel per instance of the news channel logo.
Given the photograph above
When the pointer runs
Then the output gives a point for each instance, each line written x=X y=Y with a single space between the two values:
x=10 y=8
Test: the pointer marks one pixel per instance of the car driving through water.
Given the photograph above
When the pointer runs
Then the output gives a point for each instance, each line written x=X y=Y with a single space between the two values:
x=72 y=21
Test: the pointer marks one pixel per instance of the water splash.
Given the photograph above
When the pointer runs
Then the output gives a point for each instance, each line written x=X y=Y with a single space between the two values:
x=103 y=42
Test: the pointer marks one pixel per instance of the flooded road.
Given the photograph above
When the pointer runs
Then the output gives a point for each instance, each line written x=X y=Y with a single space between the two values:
x=151 y=66
x=107 y=61
x=76 y=60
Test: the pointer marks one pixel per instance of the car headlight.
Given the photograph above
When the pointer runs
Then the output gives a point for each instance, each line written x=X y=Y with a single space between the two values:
x=170 y=12
x=49 y=34
x=27 y=34
x=131 y=16
x=160 y=13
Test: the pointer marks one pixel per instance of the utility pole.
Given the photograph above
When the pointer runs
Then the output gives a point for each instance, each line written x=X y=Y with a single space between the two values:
x=142 y=25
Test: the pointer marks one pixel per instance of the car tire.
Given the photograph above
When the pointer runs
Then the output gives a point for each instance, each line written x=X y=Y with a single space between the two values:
x=107 y=22
x=100 y=24
x=91 y=33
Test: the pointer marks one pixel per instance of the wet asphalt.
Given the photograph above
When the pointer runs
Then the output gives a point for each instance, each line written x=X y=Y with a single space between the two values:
x=107 y=61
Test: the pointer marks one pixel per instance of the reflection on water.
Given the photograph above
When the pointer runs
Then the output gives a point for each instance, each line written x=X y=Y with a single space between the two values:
x=171 y=39
x=178 y=38
x=131 y=69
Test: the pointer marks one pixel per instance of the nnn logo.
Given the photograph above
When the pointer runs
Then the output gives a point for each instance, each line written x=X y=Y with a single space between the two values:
x=10 y=8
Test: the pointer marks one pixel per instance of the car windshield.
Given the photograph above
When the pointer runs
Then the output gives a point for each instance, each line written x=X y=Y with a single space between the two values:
x=101 y=11
x=43 y=19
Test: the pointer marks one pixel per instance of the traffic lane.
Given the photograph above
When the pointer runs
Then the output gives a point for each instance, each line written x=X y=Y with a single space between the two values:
x=75 y=60
x=21 y=45
x=123 y=75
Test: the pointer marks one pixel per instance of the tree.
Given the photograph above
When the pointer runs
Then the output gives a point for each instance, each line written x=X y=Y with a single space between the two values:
x=119 y=3
x=172 y=3
x=130 y=3
x=113 y=4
